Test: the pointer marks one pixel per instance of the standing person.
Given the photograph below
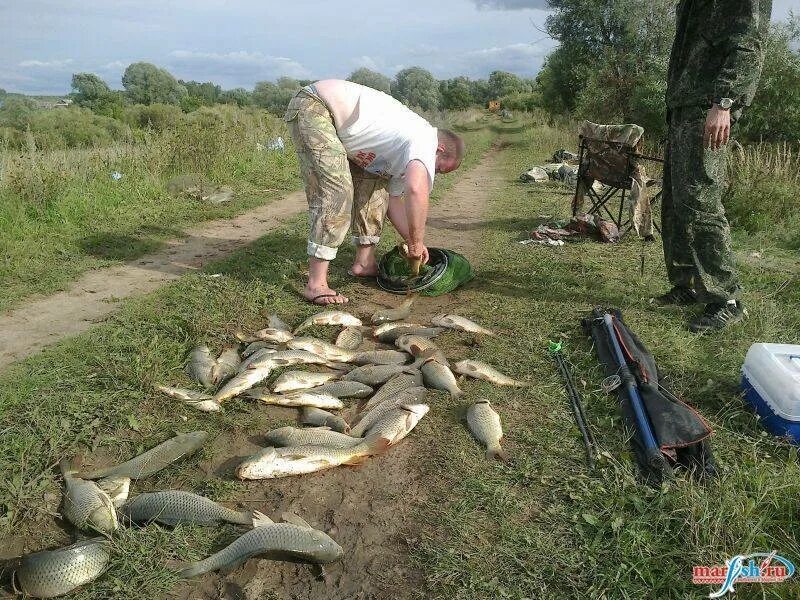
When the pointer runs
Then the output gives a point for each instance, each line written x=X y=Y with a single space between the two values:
x=714 y=69
x=353 y=143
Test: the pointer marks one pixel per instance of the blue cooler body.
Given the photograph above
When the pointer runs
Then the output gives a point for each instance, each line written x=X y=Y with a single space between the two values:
x=771 y=385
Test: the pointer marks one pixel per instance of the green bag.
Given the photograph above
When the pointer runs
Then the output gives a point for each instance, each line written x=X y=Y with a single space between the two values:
x=445 y=271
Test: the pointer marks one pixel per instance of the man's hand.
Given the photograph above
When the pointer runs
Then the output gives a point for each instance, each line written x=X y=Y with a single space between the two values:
x=718 y=128
x=418 y=250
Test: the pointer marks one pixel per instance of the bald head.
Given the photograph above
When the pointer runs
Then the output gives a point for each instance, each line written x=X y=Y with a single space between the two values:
x=450 y=151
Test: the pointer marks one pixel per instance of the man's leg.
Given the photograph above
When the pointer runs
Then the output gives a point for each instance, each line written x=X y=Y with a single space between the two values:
x=329 y=191
x=370 y=202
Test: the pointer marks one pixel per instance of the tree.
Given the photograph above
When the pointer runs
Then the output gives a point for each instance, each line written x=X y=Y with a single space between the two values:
x=3 y=93
x=457 y=93
x=371 y=79
x=274 y=97
x=202 y=94
x=145 y=83
x=87 y=89
x=16 y=112
x=238 y=96
x=502 y=83
x=417 y=87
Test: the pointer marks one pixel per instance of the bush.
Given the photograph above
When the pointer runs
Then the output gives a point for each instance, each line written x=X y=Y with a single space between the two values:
x=156 y=117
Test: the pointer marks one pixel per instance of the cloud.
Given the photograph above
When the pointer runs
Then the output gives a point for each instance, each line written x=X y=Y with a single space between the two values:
x=239 y=68
x=512 y=4
x=523 y=58
x=46 y=64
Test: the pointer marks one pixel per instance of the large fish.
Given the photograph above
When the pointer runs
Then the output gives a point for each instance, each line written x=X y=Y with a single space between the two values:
x=243 y=381
x=373 y=375
x=270 y=463
x=296 y=399
x=389 y=332
x=310 y=415
x=287 y=358
x=53 y=573
x=86 y=505
x=175 y=507
x=396 y=384
x=479 y=370
x=200 y=366
x=380 y=357
x=459 y=323
x=258 y=345
x=393 y=314
x=439 y=376
x=155 y=459
x=286 y=540
x=258 y=356
x=321 y=348
x=199 y=400
x=350 y=338
x=420 y=347
x=309 y=436
x=408 y=396
x=291 y=381
x=329 y=317
x=398 y=422
x=268 y=334
x=484 y=423
x=346 y=389
x=226 y=365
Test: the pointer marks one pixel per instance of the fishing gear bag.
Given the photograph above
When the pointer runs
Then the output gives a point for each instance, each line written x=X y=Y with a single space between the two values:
x=680 y=431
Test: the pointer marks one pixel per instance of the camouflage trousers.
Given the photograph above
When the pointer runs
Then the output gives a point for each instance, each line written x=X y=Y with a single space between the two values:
x=696 y=234
x=340 y=194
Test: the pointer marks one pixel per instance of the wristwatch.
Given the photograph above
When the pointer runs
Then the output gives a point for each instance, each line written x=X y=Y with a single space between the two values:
x=723 y=103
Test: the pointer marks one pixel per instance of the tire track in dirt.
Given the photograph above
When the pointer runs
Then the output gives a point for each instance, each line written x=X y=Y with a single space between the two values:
x=367 y=509
x=42 y=321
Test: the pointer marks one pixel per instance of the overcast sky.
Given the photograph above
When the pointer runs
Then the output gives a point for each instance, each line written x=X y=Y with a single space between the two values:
x=238 y=42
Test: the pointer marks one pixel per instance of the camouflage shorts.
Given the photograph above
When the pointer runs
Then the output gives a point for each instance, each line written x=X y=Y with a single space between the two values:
x=340 y=195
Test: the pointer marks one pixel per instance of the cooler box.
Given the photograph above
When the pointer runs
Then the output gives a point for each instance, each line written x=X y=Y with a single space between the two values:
x=771 y=384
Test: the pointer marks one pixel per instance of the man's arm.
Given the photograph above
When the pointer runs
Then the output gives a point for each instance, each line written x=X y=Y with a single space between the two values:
x=397 y=215
x=417 y=193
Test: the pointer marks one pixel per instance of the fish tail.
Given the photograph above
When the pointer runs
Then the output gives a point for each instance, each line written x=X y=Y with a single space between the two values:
x=497 y=453
x=189 y=570
x=65 y=465
x=377 y=444
x=259 y=519
x=456 y=393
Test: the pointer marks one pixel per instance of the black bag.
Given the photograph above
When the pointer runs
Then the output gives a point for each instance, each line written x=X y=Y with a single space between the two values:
x=681 y=433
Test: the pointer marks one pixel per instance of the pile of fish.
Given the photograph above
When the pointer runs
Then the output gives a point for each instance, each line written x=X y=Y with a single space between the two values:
x=387 y=385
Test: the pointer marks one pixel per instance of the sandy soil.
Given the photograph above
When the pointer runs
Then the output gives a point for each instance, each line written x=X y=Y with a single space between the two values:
x=42 y=321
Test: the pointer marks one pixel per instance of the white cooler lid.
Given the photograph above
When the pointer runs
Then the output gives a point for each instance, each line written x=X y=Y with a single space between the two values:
x=774 y=372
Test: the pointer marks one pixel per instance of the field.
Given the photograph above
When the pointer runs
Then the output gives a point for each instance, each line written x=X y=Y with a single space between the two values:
x=432 y=518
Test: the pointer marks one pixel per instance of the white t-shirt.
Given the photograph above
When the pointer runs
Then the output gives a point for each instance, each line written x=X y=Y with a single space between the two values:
x=384 y=136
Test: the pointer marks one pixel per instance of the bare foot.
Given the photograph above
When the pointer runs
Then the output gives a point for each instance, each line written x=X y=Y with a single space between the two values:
x=323 y=296
x=368 y=270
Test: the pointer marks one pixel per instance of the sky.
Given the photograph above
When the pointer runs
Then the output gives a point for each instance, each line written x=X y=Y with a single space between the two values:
x=236 y=43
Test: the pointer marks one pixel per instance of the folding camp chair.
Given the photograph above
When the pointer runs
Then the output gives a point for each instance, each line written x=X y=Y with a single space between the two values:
x=611 y=155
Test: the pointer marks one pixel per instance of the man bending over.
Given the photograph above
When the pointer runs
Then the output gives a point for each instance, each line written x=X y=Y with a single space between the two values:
x=354 y=144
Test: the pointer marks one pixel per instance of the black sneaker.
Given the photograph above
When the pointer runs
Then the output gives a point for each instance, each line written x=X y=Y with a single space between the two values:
x=718 y=316
x=680 y=296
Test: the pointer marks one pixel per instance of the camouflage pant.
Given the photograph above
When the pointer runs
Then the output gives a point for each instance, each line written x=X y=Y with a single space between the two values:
x=340 y=195
x=697 y=237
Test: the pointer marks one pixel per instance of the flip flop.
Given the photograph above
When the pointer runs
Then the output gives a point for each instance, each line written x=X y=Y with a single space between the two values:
x=350 y=272
x=315 y=298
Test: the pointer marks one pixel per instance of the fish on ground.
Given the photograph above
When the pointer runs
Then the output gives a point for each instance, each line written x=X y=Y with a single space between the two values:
x=393 y=314
x=484 y=423
x=321 y=348
x=346 y=389
x=279 y=539
x=200 y=366
x=329 y=317
x=53 y=573
x=409 y=396
x=199 y=400
x=398 y=422
x=271 y=463
x=420 y=348
x=291 y=381
x=226 y=365
x=309 y=436
x=310 y=415
x=176 y=507
x=381 y=357
x=350 y=338
x=258 y=345
x=460 y=324
x=258 y=356
x=439 y=376
x=373 y=375
x=287 y=358
x=243 y=381
x=155 y=459
x=117 y=488
x=389 y=332
x=396 y=384
x=268 y=334
x=275 y=322
x=479 y=370
x=296 y=399
x=86 y=506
